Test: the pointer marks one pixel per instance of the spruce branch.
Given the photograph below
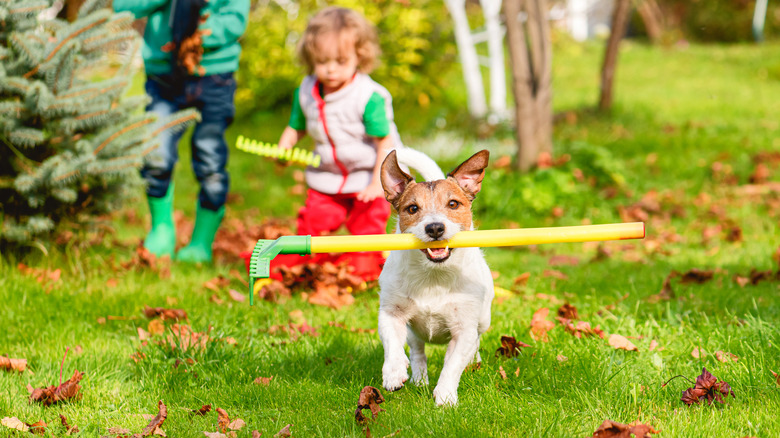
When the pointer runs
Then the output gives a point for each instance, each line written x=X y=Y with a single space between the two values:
x=62 y=43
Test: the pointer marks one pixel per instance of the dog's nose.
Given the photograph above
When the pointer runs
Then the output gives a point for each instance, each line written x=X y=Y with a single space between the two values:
x=435 y=229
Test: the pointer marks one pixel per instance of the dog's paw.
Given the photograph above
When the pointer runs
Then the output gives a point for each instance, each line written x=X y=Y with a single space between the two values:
x=394 y=375
x=420 y=380
x=445 y=396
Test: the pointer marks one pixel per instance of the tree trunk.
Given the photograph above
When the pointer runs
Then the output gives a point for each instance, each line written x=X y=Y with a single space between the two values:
x=468 y=58
x=652 y=17
x=495 y=39
x=531 y=60
x=618 y=30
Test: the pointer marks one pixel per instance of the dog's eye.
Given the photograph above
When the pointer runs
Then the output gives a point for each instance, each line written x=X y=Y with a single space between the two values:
x=453 y=204
x=412 y=209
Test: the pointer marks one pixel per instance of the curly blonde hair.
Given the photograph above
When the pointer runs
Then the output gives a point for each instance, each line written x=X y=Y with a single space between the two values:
x=345 y=23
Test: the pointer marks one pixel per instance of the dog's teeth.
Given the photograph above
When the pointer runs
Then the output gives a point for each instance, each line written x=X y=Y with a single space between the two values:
x=447 y=248
x=430 y=253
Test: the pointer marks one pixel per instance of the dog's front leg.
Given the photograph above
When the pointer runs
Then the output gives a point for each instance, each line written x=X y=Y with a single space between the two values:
x=418 y=358
x=392 y=332
x=460 y=352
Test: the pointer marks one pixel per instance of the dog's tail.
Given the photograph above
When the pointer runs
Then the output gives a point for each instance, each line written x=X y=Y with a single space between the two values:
x=423 y=164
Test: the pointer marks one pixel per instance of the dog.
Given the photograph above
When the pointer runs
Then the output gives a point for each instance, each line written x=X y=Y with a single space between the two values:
x=439 y=296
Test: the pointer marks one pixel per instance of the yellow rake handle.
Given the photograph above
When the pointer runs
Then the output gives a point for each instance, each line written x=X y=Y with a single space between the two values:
x=481 y=238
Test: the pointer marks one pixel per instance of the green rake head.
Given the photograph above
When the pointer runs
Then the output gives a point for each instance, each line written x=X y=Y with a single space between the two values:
x=266 y=250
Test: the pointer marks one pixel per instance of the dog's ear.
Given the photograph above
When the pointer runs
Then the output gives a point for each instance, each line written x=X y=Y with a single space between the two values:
x=394 y=180
x=470 y=173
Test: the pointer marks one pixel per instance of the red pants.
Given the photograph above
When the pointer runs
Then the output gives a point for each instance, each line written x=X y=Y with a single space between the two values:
x=324 y=214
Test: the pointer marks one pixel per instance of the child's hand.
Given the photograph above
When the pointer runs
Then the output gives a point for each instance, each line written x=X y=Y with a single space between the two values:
x=373 y=191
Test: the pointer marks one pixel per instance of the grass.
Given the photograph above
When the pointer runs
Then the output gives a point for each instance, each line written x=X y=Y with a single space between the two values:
x=690 y=108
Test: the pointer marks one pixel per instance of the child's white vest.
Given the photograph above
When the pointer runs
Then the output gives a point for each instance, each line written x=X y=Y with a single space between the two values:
x=348 y=163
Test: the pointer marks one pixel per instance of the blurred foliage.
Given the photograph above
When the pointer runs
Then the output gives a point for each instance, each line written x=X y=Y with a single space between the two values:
x=717 y=20
x=533 y=196
x=415 y=37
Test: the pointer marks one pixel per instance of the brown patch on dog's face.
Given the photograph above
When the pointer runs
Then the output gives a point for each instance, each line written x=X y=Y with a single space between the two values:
x=423 y=200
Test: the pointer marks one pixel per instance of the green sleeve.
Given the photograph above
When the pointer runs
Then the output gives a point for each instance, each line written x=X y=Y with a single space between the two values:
x=226 y=21
x=375 y=117
x=139 y=8
x=297 y=119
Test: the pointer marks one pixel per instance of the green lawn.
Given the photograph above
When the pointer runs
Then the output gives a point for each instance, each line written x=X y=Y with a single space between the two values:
x=687 y=124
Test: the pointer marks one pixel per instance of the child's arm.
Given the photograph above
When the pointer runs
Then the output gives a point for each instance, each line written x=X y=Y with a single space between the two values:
x=374 y=189
x=290 y=137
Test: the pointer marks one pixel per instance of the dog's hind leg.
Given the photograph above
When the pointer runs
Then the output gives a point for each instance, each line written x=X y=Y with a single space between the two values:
x=418 y=359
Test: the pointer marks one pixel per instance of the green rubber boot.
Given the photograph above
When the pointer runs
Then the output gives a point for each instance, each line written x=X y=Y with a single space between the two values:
x=161 y=239
x=206 y=225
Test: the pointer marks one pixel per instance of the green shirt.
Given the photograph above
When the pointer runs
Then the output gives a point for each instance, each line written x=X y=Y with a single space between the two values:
x=374 y=116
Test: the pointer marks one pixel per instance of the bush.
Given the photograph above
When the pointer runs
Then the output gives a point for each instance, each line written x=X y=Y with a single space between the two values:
x=416 y=42
x=718 y=20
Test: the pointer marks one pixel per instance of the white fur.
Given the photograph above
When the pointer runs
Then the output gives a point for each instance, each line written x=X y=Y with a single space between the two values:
x=425 y=302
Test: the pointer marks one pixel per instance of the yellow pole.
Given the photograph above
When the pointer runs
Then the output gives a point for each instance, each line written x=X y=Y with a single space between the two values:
x=481 y=238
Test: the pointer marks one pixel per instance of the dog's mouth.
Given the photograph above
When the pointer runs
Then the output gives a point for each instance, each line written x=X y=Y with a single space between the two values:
x=437 y=255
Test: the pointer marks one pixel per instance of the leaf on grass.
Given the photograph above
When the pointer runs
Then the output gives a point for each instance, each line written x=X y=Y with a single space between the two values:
x=284 y=433
x=611 y=429
x=522 y=279
x=540 y=325
x=236 y=424
x=696 y=275
x=8 y=364
x=510 y=347
x=618 y=341
x=560 y=259
x=156 y=327
x=157 y=421
x=163 y=313
x=707 y=387
x=183 y=338
x=369 y=398
x=222 y=420
x=54 y=394
x=14 y=423
x=667 y=293
x=256 y=434
x=236 y=295
x=205 y=409
x=653 y=345
x=777 y=377
x=68 y=428
x=46 y=277
x=582 y=328
x=143 y=260
x=265 y=381
x=38 y=428
x=725 y=356
x=502 y=373
x=698 y=352
x=215 y=435
x=217 y=283
x=568 y=311
x=561 y=358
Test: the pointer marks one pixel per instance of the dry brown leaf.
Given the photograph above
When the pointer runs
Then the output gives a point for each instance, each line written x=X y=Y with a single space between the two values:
x=707 y=387
x=369 y=398
x=256 y=434
x=236 y=295
x=222 y=420
x=9 y=364
x=567 y=311
x=510 y=347
x=560 y=259
x=618 y=341
x=284 y=433
x=156 y=327
x=777 y=377
x=611 y=429
x=68 y=428
x=540 y=325
x=653 y=345
x=14 y=423
x=215 y=435
x=502 y=373
x=265 y=381
x=38 y=428
x=205 y=409
x=725 y=356
x=163 y=313
x=157 y=421
x=521 y=279
x=236 y=424
x=561 y=358
x=698 y=352
x=54 y=394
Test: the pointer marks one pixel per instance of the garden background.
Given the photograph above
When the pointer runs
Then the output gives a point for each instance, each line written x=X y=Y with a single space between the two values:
x=691 y=147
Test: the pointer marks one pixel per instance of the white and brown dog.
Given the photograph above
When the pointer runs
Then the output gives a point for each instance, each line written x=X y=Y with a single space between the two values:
x=439 y=296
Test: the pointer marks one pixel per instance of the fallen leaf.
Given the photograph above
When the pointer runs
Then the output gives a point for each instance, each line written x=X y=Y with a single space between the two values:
x=38 y=428
x=540 y=325
x=215 y=435
x=568 y=311
x=265 y=381
x=502 y=373
x=510 y=347
x=222 y=420
x=611 y=429
x=653 y=345
x=521 y=279
x=154 y=312
x=236 y=295
x=618 y=341
x=158 y=420
x=707 y=387
x=256 y=434
x=777 y=377
x=156 y=327
x=54 y=394
x=284 y=433
x=14 y=423
x=205 y=409
x=369 y=398
x=68 y=428
x=236 y=424
x=696 y=275
x=582 y=328
x=725 y=356
x=698 y=352
x=9 y=364
x=112 y=283
x=560 y=259
x=561 y=358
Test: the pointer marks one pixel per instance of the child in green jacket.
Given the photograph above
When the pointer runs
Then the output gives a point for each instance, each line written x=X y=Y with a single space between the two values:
x=190 y=53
